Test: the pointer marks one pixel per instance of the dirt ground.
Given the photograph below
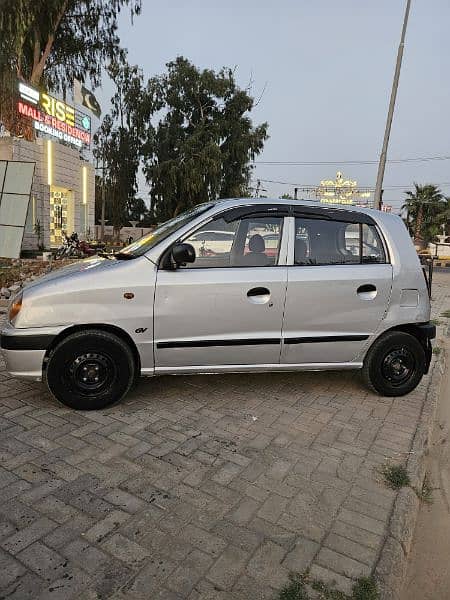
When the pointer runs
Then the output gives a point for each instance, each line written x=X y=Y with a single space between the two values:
x=428 y=576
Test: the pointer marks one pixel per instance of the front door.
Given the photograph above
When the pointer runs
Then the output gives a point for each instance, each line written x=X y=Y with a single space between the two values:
x=226 y=308
x=339 y=287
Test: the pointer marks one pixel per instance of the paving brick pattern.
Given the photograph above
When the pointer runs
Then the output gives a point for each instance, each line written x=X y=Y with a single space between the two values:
x=199 y=488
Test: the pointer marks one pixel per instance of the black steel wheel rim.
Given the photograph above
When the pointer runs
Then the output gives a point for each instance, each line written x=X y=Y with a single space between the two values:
x=90 y=373
x=398 y=366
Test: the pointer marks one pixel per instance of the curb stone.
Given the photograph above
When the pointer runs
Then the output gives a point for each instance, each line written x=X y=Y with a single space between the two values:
x=390 y=570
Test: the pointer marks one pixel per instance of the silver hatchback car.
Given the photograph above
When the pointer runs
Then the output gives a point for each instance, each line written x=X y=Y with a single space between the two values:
x=281 y=285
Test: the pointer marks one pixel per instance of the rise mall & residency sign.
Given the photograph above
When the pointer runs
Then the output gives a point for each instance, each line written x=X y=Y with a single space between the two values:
x=54 y=117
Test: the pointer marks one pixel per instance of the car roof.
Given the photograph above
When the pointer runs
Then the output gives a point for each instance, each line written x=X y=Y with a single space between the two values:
x=215 y=231
x=233 y=202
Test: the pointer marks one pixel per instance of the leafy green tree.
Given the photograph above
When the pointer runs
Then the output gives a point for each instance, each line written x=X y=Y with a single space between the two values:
x=48 y=43
x=117 y=144
x=425 y=207
x=446 y=217
x=202 y=146
x=138 y=211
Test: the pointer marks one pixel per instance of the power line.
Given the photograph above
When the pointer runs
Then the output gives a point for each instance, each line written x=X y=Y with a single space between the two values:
x=349 y=162
x=387 y=187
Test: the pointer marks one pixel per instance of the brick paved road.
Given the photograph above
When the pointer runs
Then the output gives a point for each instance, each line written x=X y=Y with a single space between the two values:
x=206 y=488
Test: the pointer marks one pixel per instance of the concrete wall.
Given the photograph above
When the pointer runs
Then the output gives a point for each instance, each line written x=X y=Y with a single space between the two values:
x=440 y=249
x=66 y=173
x=136 y=232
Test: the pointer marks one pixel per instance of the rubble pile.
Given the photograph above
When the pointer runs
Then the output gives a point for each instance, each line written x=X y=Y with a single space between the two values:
x=15 y=273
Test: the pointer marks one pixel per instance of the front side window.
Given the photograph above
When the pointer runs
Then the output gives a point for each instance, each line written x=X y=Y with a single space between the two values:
x=328 y=242
x=159 y=234
x=246 y=242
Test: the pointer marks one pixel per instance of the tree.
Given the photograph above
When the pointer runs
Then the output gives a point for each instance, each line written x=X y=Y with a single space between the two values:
x=48 y=43
x=117 y=143
x=446 y=216
x=424 y=212
x=204 y=141
x=138 y=211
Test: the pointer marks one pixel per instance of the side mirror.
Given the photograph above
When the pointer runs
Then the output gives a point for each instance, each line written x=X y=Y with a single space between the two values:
x=183 y=253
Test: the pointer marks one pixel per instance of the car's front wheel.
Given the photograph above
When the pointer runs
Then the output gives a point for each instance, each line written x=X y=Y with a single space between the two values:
x=90 y=370
x=394 y=364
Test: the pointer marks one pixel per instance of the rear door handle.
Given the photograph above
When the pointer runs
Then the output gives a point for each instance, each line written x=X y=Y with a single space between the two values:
x=258 y=291
x=367 y=291
x=367 y=287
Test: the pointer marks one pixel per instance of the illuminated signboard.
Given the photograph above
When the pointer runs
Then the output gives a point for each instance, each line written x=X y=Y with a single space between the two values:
x=54 y=117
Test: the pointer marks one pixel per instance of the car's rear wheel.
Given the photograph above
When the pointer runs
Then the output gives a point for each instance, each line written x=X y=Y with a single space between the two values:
x=394 y=364
x=90 y=370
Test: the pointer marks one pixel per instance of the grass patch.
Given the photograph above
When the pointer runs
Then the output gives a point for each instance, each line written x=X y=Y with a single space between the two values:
x=365 y=589
x=395 y=476
x=328 y=593
x=426 y=493
x=436 y=350
x=295 y=589
x=446 y=314
x=435 y=322
x=298 y=587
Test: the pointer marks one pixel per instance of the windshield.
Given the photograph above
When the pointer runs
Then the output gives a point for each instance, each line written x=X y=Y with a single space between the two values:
x=144 y=244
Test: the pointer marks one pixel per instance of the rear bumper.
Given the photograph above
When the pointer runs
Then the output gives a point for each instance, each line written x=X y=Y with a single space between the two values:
x=427 y=332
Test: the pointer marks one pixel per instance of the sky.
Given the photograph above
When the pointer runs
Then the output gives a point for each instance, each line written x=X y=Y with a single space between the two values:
x=324 y=69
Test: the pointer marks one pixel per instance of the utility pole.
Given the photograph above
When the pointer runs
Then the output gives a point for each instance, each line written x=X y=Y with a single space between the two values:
x=387 y=131
x=103 y=197
x=102 y=223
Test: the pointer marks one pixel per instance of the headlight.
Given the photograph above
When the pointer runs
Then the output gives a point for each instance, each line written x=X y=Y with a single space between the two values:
x=15 y=306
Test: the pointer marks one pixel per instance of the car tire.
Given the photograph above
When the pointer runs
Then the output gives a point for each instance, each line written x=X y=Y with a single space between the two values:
x=89 y=370
x=394 y=364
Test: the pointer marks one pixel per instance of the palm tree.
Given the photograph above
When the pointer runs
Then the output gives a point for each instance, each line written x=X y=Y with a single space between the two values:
x=425 y=207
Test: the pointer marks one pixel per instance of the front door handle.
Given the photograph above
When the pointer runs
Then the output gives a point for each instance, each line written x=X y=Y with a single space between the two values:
x=368 y=291
x=258 y=291
x=259 y=295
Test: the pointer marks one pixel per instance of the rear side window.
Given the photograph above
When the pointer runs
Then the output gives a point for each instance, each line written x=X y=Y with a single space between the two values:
x=372 y=247
x=327 y=242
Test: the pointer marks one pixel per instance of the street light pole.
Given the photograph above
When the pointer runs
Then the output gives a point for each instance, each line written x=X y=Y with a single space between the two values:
x=387 y=131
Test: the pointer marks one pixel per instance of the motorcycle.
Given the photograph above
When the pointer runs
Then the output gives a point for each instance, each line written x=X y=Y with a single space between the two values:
x=68 y=247
x=73 y=246
x=84 y=249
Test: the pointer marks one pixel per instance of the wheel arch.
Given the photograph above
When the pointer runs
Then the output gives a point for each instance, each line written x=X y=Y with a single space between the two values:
x=414 y=329
x=119 y=332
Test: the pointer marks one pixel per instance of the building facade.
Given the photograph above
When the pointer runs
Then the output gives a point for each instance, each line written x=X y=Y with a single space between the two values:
x=62 y=194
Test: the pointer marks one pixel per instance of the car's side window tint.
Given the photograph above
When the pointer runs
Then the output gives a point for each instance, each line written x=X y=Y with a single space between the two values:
x=262 y=242
x=372 y=246
x=244 y=242
x=212 y=244
x=328 y=242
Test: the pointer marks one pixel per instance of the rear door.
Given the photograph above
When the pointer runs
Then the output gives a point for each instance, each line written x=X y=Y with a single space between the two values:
x=339 y=285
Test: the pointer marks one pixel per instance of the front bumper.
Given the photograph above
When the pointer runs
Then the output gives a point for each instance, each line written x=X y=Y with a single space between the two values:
x=24 y=350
